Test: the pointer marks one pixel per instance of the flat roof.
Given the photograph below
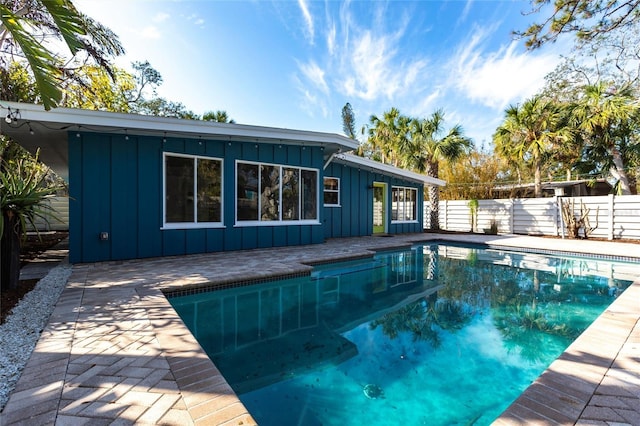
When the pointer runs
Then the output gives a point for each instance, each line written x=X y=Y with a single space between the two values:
x=33 y=127
x=377 y=167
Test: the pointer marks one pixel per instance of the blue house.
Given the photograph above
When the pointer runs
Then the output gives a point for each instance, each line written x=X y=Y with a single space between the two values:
x=142 y=186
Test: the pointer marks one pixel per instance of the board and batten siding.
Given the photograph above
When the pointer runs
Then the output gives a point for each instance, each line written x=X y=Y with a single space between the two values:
x=354 y=216
x=116 y=186
x=613 y=217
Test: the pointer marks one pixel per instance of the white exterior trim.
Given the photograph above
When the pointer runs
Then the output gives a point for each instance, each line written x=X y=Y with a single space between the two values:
x=195 y=224
x=331 y=191
x=387 y=169
x=113 y=122
x=280 y=221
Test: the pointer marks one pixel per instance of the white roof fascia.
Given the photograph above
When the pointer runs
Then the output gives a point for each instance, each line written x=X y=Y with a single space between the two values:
x=388 y=169
x=96 y=121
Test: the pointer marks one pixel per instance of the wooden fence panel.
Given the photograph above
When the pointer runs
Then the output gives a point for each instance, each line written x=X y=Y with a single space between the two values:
x=58 y=219
x=627 y=217
x=613 y=217
x=455 y=215
x=495 y=211
x=535 y=216
x=599 y=210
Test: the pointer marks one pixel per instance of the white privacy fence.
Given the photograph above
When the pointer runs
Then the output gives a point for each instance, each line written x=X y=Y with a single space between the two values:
x=56 y=219
x=612 y=216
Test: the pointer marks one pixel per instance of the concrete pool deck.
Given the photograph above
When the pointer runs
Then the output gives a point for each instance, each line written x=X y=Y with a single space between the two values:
x=114 y=351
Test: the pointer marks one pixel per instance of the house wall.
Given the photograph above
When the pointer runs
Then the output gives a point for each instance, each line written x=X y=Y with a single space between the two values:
x=354 y=217
x=116 y=186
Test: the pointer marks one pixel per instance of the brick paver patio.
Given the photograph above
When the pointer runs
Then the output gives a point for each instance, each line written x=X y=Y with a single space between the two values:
x=114 y=351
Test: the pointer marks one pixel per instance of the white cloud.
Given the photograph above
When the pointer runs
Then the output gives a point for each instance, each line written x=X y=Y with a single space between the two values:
x=151 y=32
x=161 y=17
x=427 y=104
x=496 y=79
x=310 y=102
x=463 y=16
x=373 y=69
x=196 y=20
x=315 y=75
x=364 y=64
x=331 y=38
x=370 y=65
x=304 y=8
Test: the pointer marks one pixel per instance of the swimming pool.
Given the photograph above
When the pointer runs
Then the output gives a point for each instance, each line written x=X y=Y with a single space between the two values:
x=438 y=334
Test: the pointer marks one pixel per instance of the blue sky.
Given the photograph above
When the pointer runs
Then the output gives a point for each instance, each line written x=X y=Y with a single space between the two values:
x=294 y=64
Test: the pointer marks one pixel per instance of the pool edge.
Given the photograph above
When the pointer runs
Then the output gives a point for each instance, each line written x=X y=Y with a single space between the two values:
x=576 y=386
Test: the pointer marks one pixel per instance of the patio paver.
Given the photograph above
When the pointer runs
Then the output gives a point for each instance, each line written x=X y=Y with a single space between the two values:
x=115 y=352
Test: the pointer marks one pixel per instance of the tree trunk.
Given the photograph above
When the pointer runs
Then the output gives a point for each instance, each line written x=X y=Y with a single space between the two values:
x=10 y=252
x=619 y=173
x=434 y=211
x=537 y=180
x=434 y=198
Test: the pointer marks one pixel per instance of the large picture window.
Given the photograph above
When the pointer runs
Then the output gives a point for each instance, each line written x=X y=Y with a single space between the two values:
x=271 y=193
x=403 y=204
x=192 y=191
x=331 y=191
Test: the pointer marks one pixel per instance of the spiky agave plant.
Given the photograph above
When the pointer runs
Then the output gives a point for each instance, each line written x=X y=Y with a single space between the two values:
x=25 y=187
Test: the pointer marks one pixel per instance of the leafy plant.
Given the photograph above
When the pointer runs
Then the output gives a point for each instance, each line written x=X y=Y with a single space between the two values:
x=473 y=211
x=493 y=227
x=25 y=186
x=23 y=25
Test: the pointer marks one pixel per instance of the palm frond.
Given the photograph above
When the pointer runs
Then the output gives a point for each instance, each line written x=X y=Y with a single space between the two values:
x=42 y=63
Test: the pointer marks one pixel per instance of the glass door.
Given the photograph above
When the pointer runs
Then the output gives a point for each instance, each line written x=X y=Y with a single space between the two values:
x=379 y=208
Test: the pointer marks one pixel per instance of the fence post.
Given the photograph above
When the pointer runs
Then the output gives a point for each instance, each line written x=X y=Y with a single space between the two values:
x=611 y=217
x=512 y=211
x=555 y=219
x=560 y=218
x=446 y=215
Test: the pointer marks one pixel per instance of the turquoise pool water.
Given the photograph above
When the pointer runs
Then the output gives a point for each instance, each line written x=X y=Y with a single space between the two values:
x=437 y=334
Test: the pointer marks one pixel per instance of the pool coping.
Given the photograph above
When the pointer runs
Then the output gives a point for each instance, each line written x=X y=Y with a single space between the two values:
x=64 y=382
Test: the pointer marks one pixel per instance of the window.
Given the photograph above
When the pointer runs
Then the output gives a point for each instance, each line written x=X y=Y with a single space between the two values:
x=192 y=191
x=270 y=193
x=403 y=204
x=310 y=194
x=290 y=194
x=331 y=191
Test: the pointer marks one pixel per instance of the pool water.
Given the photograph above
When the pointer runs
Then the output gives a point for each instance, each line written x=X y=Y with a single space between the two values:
x=438 y=334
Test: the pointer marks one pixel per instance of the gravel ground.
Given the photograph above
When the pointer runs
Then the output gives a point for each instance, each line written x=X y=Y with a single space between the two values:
x=20 y=332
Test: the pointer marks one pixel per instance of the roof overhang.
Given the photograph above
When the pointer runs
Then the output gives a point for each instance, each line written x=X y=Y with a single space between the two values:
x=33 y=127
x=377 y=167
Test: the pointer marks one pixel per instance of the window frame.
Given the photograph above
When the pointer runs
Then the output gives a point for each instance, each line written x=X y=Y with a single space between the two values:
x=325 y=190
x=195 y=224
x=280 y=221
x=404 y=204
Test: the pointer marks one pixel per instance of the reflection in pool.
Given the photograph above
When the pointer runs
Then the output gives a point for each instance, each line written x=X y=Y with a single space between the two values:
x=437 y=334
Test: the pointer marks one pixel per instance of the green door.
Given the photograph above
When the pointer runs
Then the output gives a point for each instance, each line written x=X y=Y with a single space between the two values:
x=379 y=208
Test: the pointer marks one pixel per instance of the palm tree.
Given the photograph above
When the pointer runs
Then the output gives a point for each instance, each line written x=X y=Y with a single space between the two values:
x=529 y=132
x=23 y=27
x=427 y=146
x=607 y=120
x=27 y=23
x=217 y=116
x=388 y=135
